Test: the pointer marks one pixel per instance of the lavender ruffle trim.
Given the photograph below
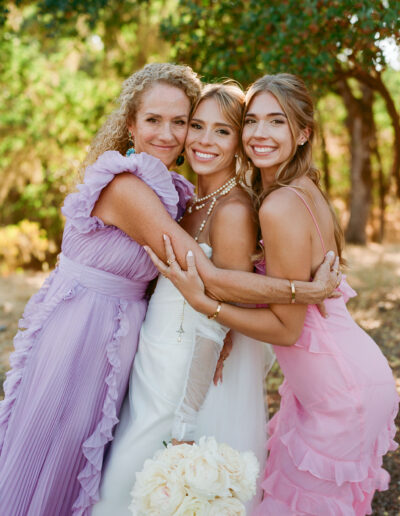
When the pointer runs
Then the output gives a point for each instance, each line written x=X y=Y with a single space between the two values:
x=93 y=447
x=173 y=190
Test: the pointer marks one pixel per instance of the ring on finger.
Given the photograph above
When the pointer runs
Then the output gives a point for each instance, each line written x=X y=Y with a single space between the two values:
x=170 y=261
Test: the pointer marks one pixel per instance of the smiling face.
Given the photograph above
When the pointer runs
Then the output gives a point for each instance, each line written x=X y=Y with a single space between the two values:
x=267 y=138
x=212 y=141
x=161 y=122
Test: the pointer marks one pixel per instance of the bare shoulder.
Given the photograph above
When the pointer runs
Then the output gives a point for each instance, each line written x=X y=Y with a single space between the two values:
x=233 y=232
x=236 y=207
x=283 y=206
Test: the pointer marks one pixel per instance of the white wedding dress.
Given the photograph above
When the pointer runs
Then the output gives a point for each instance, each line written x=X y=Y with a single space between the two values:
x=171 y=394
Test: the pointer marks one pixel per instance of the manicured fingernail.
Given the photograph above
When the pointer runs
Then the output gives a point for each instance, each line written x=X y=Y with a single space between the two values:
x=146 y=248
x=189 y=253
x=330 y=253
x=164 y=236
x=326 y=316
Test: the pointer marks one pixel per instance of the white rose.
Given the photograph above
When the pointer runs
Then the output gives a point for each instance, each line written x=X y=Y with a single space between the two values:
x=242 y=468
x=193 y=506
x=157 y=491
x=248 y=481
x=209 y=444
x=227 y=507
x=203 y=475
x=232 y=461
x=172 y=456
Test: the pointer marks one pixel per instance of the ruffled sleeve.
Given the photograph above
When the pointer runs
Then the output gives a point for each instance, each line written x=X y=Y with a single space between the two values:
x=185 y=191
x=79 y=205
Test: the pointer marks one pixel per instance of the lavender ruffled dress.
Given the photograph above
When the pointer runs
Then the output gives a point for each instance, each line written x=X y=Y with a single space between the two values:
x=74 y=352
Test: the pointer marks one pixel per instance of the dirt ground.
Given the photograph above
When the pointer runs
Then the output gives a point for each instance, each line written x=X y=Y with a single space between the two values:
x=373 y=271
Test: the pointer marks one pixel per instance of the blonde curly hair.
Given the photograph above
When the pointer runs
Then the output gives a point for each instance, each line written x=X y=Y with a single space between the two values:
x=114 y=134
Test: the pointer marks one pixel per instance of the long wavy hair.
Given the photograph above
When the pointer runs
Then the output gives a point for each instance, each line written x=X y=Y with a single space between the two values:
x=114 y=134
x=295 y=100
x=231 y=102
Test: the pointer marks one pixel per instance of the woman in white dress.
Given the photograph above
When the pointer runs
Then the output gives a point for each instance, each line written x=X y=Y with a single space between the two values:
x=179 y=348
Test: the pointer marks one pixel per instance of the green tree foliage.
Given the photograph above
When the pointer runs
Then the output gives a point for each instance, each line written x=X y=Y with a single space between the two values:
x=314 y=38
x=335 y=46
x=56 y=90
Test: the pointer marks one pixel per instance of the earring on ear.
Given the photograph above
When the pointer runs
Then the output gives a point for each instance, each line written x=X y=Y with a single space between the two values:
x=131 y=148
x=236 y=156
x=180 y=159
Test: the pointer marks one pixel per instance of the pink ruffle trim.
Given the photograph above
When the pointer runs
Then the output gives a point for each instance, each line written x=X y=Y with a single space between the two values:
x=93 y=447
x=346 y=290
x=299 y=501
x=173 y=190
x=365 y=476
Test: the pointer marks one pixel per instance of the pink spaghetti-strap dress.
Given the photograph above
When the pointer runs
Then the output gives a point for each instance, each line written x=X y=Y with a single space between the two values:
x=74 y=352
x=336 y=420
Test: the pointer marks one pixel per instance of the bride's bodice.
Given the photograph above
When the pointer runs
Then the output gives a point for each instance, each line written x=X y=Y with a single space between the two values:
x=167 y=310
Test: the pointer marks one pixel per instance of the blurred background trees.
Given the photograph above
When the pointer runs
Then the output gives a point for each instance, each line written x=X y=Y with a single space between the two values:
x=63 y=61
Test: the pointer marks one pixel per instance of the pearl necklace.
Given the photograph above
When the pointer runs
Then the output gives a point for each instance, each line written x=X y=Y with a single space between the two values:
x=223 y=190
x=200 y=202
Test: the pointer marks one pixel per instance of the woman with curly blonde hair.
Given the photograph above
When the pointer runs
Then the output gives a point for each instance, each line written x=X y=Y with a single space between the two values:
x=79 y=333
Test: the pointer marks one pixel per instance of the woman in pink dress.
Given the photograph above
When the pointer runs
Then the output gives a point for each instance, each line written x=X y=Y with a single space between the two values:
x=339 y=401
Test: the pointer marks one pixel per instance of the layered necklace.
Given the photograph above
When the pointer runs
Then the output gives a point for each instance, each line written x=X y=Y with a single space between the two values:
x=200 y=202
x=197 y=204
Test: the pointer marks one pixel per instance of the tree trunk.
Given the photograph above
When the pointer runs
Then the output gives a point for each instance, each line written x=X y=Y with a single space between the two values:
x=325 y=157
x=360 y=126
x=383 y=187
x=375 y=82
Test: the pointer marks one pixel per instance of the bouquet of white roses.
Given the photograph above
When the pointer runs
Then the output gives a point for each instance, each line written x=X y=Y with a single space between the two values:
x=205 y=479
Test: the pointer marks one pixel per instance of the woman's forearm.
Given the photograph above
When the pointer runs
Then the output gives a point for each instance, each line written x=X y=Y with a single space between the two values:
x=244 y=287
x=258 y=323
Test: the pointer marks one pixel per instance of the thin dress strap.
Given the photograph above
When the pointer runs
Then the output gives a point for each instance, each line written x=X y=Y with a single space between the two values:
x=311 y=213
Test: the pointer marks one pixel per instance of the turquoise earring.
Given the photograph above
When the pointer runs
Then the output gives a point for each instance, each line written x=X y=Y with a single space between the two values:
x=131 y=148
x=180 y=160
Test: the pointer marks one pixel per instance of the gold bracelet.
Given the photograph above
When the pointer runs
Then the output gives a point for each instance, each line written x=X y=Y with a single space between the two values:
x=217 y=311
x=293 y=289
